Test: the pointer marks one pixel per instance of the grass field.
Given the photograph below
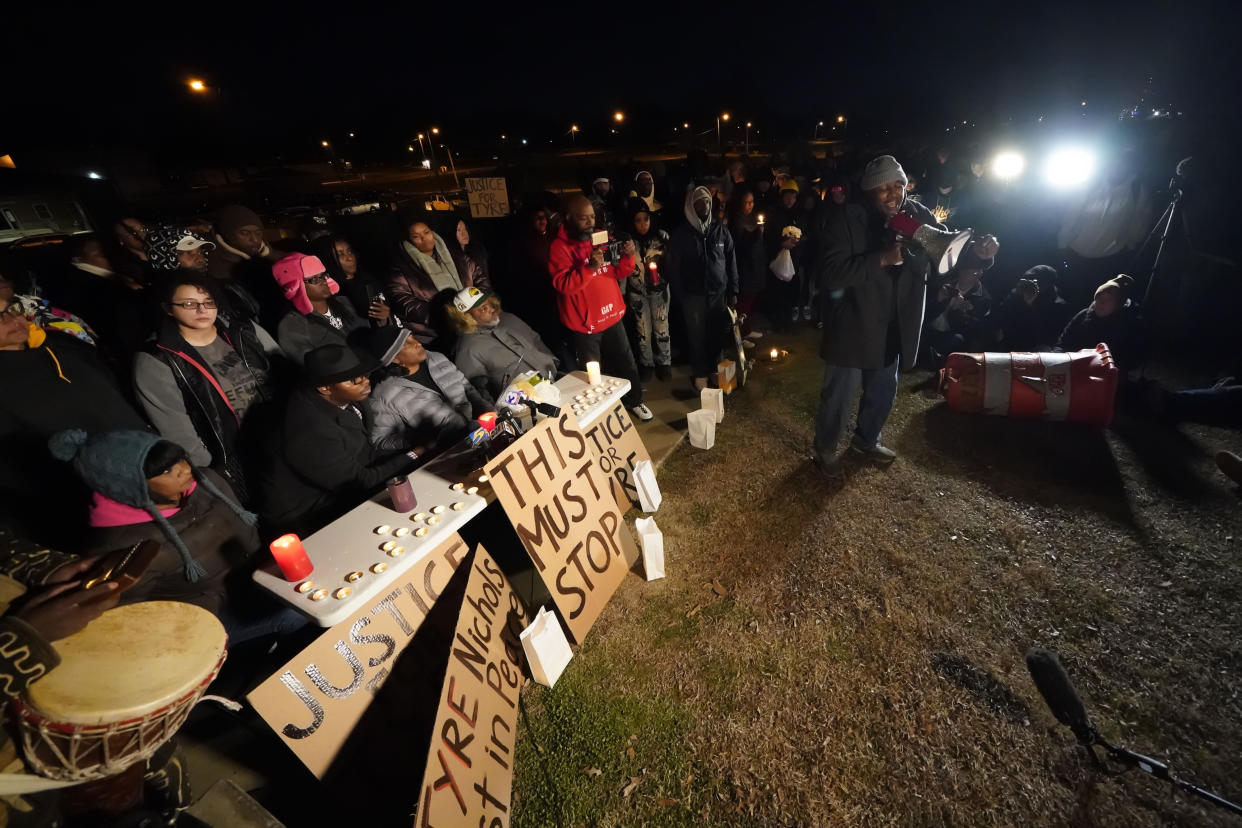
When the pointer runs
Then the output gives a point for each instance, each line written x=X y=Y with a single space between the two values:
x=855 y=656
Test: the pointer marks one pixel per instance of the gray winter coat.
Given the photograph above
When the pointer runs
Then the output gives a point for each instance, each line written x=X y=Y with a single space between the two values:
x=491 y=357
x=862 y=298
x=298 y=333
x=399 y=406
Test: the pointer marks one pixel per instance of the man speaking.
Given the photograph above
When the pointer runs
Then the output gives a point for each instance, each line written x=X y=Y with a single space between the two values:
x=873 y=312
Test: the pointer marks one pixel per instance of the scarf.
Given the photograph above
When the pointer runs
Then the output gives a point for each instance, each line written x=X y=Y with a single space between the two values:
x=440 y=268
x=264 y=251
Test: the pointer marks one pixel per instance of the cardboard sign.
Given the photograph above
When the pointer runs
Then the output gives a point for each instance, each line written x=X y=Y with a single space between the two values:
x=617 y=448
x=489 y=197
x=563 y=509
x=317 y=698
x=469 y=772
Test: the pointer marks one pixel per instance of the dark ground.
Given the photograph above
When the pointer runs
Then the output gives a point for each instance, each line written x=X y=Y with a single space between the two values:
x=855 y=656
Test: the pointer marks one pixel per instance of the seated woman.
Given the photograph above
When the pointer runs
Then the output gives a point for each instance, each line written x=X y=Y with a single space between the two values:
x=317 y=317
x=425 y=401
x=199 y=378
x=145 y=488
x=423 y=267
x=364 y=292
x=470 y=255
x=494 y=347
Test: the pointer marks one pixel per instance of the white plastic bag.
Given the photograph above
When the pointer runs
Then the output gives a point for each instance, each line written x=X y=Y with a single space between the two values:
x=547 y=649
x=649 y=496
x=782 y=266
x=652 y=540
x=713 y=400
x=702 y=425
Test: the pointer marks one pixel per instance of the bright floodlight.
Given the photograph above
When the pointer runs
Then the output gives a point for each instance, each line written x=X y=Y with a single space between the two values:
x=1069 y=167
x=94 y=175
x=1008 y=165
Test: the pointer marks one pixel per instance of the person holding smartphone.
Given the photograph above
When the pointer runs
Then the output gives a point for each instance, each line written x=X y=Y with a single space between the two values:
x=364 y=291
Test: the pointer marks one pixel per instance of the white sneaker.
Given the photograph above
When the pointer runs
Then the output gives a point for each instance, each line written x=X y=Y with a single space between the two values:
x=754 y=335
x=643 y=413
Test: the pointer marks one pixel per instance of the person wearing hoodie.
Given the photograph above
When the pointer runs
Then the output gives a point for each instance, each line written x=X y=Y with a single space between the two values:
x=588 y=297
x=364 y=291
x=644 y=188
x=702 y=269
x=752 y=260
x=647 y=295
x=785 y=296
x=200 y=377
x=318 y=317
x=144 y=488
x=425 y=402
x=422 y=267
x=50 y=382
x=321 y=463
x=493 y=346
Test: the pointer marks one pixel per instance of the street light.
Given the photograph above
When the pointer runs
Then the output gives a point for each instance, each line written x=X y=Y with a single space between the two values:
x=324 y=144
x=685 y=126
x=618 y=116
x=435 y=130
x=723 y=116
x=197 y=85
x=573 y=133
x=815 y=134
x=456 y=182
x=840 y=119
x=748 y=126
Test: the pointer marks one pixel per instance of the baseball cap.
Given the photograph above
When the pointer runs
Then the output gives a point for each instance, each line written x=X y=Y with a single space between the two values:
x=469 y=298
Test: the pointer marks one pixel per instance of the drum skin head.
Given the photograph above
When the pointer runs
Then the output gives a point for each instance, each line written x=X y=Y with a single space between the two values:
x=129 y=662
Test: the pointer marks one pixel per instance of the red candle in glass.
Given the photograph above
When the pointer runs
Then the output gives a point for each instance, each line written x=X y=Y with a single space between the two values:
x=488 y=421
x=291 y=557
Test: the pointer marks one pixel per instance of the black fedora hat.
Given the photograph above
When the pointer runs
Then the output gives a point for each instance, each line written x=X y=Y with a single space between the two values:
x=328 y=364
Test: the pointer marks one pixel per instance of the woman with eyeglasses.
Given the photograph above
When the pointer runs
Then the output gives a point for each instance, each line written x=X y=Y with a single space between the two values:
x=318 y=317
x=198 y=378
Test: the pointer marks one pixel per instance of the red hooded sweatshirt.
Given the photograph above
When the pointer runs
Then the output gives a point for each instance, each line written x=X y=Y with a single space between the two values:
x=589 y=300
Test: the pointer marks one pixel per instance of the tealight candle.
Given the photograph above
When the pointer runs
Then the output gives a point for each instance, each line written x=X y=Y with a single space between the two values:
x=291 y=557
x=353 y=576
x=388 y=546
x=319 y=595
x=401 y=532
x=472 y=490
x=458 y=506
x=437 y=510
x=433 y=520
x=483 y=478
x=420 y=531
x=379 y=567
x=457 y=487
x=343 y=592
x=592 y=372
x=416 y=518
x=395 y=552
x=774 y=354
x=383 y=530
x=305 y=586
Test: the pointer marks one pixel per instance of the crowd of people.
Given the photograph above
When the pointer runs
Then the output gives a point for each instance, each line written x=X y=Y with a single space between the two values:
x=209 y=385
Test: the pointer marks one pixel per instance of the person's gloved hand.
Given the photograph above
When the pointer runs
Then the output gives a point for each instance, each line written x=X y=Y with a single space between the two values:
x=63 y=610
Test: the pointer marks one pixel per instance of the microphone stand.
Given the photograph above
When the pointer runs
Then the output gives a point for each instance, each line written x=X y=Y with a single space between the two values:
x=1090 y=737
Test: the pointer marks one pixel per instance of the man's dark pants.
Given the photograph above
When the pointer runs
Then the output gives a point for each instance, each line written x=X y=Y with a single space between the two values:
x=611 y=349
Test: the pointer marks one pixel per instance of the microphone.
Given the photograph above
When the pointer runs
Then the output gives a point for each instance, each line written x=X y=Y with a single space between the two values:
x=1058 y=691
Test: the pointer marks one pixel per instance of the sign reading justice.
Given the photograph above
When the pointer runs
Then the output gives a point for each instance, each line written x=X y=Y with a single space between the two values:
x=564 y=511
x=317 y=698
x=469 y=773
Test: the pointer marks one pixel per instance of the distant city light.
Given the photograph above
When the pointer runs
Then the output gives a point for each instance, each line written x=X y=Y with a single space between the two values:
x=685 y=126
x=435 y=130
x=426 y=164
x=1069 y=167
x=323 y=143
x=724 y=116
x=1008 y=165
x=410 y=148
x=94 y=175
x=351 y=135
x=197 y=85
x=618 y=116
x=840 y=119
x=523 y=142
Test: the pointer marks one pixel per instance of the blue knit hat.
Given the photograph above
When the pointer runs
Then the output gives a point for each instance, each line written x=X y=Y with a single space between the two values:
x=112 y=463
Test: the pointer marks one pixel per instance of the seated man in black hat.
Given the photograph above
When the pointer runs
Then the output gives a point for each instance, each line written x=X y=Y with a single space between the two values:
x=323 y=463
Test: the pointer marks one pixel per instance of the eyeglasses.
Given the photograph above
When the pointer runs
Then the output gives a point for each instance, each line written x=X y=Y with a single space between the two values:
x=191 y=305
x=322 y=278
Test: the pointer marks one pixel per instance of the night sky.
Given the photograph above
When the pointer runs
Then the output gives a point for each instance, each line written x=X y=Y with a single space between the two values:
x=285 y=76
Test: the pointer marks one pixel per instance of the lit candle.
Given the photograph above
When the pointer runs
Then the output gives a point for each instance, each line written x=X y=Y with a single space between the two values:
x=759 y=220
x=593 y=373
x=488 y=421
x=775 y=353
x=291 y=557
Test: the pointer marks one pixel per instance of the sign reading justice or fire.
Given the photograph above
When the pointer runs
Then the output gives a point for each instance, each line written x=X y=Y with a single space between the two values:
x=563 y=509
x=469 y=772
x=617 y=449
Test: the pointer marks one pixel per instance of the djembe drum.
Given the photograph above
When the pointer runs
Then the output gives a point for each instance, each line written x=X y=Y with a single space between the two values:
x=124 y=686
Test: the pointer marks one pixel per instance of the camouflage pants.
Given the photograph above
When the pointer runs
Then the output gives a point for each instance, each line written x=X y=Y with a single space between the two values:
x=649 y=321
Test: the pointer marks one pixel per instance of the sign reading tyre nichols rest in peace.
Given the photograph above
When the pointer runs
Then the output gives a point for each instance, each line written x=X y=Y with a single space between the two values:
x=562 y=506
x=469 y=775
